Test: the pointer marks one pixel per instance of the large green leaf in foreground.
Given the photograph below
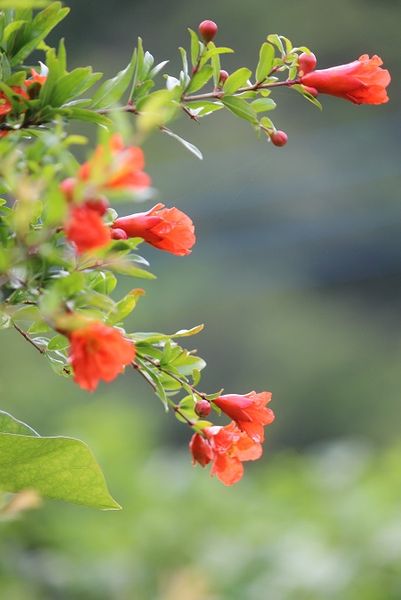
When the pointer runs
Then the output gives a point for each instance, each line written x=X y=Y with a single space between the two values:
x=56 y=467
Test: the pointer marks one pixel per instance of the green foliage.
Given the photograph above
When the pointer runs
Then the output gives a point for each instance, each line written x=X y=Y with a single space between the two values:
x=53 y=283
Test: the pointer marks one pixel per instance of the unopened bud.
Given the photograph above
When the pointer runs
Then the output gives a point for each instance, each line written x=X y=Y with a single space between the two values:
x=67 y=187
x=311 y=90
x=306 y=63
x=279 y=138
x=202 y=408
x=118 y=234
x=208 y=30
x=223 y=76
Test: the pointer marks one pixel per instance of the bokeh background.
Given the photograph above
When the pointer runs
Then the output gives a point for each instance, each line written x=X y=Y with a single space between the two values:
x=297 y=274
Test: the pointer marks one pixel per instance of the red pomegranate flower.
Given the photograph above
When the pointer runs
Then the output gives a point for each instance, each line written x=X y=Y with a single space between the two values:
x=5 y=105
x=86 y=229
x=98 y=352
x=227 y=448
x=249 y=412
x=361 y=81
x=168 y=229
x=117 y=167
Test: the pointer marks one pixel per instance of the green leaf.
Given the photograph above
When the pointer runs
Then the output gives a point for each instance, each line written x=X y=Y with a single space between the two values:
x=156 y=70
x=111 y=90
x=9 y=424
x=125 y=306
x=204 y=107
x=236 y=80
x=200 y=78
x=73 y=85
x=193 y=149
x=126 y=268
x=195 y=47
x=301 y=90
x=56 y=467
x=214 y=51
x=240 y=108
x=58 y=342
x=156 y=109
x=266 y=57
x=263 y=105
x=276 y=41
x=23 y=4
x=83 y=114
x=36 y=31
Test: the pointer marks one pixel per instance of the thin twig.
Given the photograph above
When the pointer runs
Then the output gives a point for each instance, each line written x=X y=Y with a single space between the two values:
x=29 y=339
x=217 y=94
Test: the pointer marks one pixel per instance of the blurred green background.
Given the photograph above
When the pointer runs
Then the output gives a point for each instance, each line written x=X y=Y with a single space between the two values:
x=297 y=274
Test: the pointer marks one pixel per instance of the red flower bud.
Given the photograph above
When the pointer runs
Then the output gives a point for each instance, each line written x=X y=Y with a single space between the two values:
x=202 y=408
x=223 y=76
x=306 y=63
x=67 y=187
x=118 y=234
x=201 y=450
x=100 y=204
x=208 y=30
x=279 y=138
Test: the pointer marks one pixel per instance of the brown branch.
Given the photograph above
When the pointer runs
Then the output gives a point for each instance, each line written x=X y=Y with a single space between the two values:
x=29 y=339
x=217 y=94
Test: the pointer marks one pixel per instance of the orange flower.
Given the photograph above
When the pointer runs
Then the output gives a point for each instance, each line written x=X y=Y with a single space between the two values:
x=117 y=167
x=86 y=229
x=98 y=352
x=249 y=412
x=35 y=78
x=361 y=81
x=227 y=448
x=231 y=447
x=168 y=229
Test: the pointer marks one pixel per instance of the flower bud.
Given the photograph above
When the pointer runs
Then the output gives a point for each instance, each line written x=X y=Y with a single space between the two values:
x=67 y=187
x=311 y=90
x=201 y=450
x=202 y=408
x=100 y=204
x=307 y=63
x=279 y=138
x=223 y=76
x=208 y=30
x=118 y=234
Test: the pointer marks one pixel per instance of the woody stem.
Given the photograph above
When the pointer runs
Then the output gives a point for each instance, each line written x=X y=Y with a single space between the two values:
x=28 y=339
x=217 y=94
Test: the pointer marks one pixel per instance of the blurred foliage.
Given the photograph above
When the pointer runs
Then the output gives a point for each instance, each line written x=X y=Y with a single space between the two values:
x=326 y=525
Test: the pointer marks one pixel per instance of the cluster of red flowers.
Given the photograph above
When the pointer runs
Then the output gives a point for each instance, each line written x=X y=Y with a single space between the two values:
x=228 y=447
x=121 y=168
x=97 y=351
